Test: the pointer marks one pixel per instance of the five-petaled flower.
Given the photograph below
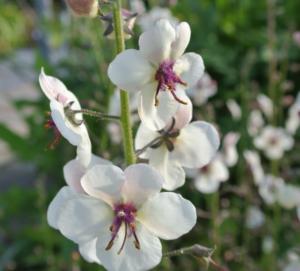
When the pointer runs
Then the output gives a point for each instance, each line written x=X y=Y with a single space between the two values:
x=123 y=214
x=180 y=144
x=64 y=120
x=159 y=70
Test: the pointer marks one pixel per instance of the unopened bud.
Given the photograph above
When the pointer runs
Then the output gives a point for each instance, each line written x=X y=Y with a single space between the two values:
x=87 y=8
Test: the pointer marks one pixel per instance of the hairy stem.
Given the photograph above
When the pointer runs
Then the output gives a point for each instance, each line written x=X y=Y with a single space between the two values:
x=130 y=157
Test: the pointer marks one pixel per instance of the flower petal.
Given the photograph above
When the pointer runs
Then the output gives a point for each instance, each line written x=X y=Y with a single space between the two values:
x=142 y=182
x=206 y=185
x=88 y=251
x=171 y=171
x=130 y=70
x=69 y=131
x=57 y=204
x=83 y=217
x=190 y=67
x=168 y=215
x=143 y=137
x=156 y=117
x=155 y=43
x=183 y=35
x=130 y=258
x=196 y=145
x=74 y=170
x=104 y=182
x=51 y=86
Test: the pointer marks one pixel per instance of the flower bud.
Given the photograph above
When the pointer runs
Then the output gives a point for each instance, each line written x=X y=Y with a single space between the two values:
x=88 y=8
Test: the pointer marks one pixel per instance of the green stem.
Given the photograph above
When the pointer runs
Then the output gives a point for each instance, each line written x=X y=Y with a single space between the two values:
x=124 y=101
x=214 y=209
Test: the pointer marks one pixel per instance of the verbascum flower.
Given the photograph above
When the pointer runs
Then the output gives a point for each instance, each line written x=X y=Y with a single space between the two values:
x=159 y=71
x=293 y=121
x=66 y=123
x=273 y=142
x=83 y=8
x=122 y=215
x=180 y=144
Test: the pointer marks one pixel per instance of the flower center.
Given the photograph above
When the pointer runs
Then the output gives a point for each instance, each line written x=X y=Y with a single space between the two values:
x=167 y=80
x=273 y=141
x=125 y=213
x=50 y=124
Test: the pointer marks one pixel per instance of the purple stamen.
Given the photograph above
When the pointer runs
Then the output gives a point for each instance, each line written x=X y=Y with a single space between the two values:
x=50 y=124
x=124 y=213
x=167 y=80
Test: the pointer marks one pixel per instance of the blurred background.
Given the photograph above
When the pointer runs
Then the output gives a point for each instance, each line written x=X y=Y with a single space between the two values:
x=249 y=48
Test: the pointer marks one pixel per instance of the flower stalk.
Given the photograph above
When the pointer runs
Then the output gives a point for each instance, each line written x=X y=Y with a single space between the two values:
x=130 y=157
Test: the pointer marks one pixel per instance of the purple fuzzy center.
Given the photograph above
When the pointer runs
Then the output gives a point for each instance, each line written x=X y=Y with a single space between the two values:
x=125 y=213
x=167 y=80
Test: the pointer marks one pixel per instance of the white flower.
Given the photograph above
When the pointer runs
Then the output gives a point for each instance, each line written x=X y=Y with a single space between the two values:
x=273 y=142
x=294 y=265
x=159 y=71
x=265 y=104
x=269 y=188
x=230 y=155
x=124 y=215
x=296 y=37
x=234 y=109
x=288 y=196
x=255 y=218
x=148 y=19
x=179 y=145
x=254 y=162
x=205 y=88
x=208 y=179
x=293 y=120
x=268 y=244
x=255 y=122
x=70 y=126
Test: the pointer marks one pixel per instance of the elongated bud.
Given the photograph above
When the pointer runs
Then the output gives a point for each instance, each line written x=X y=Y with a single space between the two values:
x=83 y=8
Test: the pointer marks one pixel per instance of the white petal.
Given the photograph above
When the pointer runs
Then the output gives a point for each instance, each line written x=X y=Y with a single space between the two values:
x=74 y=170
x=168 y=215
x=196 y=145
x=57 y=204
x=155 y=43
x=171 y=171
x=104 y=182
x=70 y=132
x=88 y=251
x=206 y=185
x=83 y=217
x=130 y=70
x=156 y=117
x=142 y=181
x=51 y=86
x=190 y=68
x=183 y=35
x=84 y=149
x=218 y=170
x=130 y=258
x=143 y=137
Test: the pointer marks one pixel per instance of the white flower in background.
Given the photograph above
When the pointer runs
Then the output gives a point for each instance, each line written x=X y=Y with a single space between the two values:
x=294 y=266
x=124 y=213
x=265 y=104
x=254 y=162
x=273 y=142
x=208 y=179
x=137 y=6
x=293 y=121
x=255 y=218
x=205 y=88
x=268 y=244
x=180 y=144
x=269 y=188
x=147 y=20
x=159 y=71
x=255 y=122
x=234 y=109
x=71 y=126
x=288 y=196
x=229 y=153
x=296 y=37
